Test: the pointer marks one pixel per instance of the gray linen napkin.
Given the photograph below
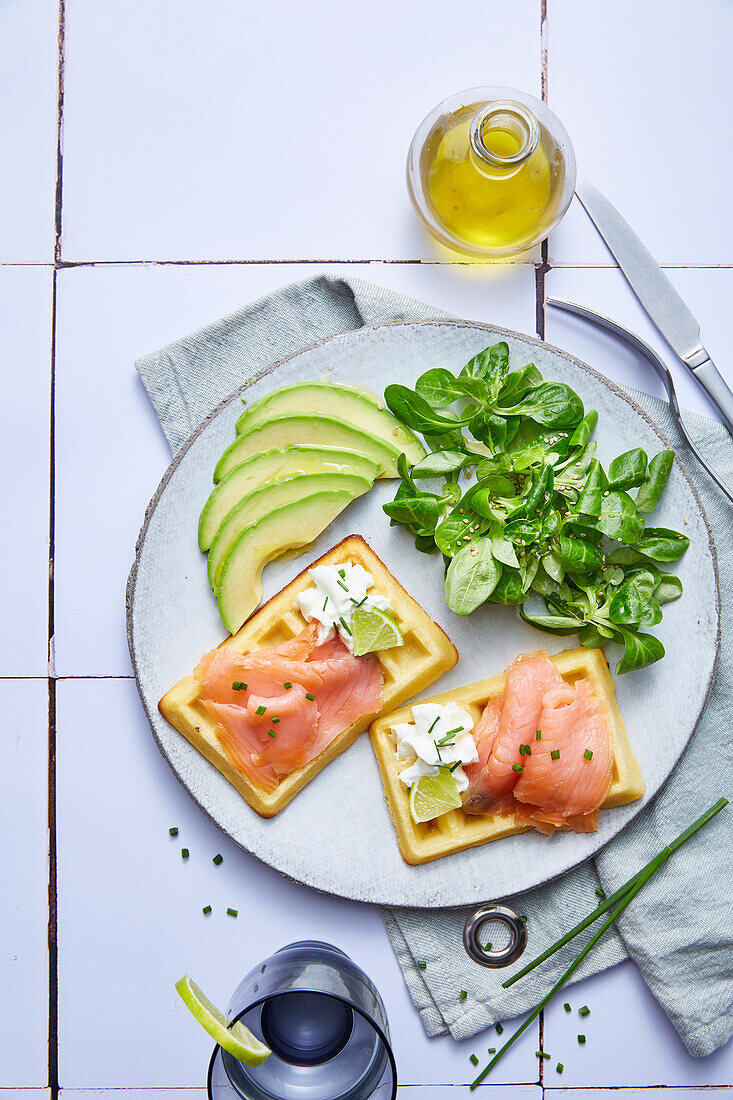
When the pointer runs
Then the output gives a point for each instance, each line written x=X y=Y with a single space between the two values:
x=679 y=931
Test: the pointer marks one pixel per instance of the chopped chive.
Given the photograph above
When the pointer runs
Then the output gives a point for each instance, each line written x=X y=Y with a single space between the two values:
x=453 y=767
x=488 y=946
x=451 y=732
x=342 y=573
x=555 y=754
x=434 y=724
x=599 y=892
x=218 y=859
x=463 y=994
x=584 y=1011
x=324 y=604
x=521 y=750
x=272 y=733
x=541 y=1054
x=184 y=853
x=525 y=750
x=232 y=912
x=173 y=830
x=261 y=710
x=342 y=585
x=287 y=685
x=345 y=625
x=523 y=917
x=499 y=1029
x=581 y=1039
x=567 y=1007
x=517 y=768
x=238 y=685
x=588 y=754
x=206 y=910
x=274 y=718
x=538 y=735
x=422 y=965
x=559 y=1067
x=474 y=1060
x=309 y=696
x=492 y=1050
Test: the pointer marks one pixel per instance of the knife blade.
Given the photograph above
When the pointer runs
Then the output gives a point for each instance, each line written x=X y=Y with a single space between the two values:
x=659 y=298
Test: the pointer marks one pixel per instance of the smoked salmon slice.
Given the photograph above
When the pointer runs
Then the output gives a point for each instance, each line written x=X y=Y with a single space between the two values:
x=558 y=782
x=268 y=730
x=527 y=681
x=567 y=791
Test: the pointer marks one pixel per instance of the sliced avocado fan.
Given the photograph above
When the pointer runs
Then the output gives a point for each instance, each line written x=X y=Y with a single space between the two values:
x=358 y=407
x=296 y=524
x=260 y=501
x=262 y=469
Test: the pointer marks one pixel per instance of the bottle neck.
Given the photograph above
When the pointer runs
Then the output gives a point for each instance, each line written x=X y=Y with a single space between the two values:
x=503 y=136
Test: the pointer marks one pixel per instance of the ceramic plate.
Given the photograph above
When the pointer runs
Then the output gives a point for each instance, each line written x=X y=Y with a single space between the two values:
x=336 y=835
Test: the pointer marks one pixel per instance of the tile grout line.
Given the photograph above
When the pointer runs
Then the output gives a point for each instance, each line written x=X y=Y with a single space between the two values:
x=53 y=1047
x=540 y=272
x=560 y=265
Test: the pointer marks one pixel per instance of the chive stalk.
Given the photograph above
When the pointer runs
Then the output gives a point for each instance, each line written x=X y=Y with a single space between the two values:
x=620 y=899
x=617 y=895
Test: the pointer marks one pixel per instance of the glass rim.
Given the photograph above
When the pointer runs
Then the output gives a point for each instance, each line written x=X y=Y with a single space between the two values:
x=527 y=123
x=263 y=1000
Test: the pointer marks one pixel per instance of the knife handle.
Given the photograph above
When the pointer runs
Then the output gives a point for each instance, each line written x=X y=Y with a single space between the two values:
x=712 y=381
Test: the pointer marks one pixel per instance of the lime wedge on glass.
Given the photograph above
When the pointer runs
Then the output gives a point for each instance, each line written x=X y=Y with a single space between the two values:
x=372 y=630
x=237 y=1039
x=433 y=795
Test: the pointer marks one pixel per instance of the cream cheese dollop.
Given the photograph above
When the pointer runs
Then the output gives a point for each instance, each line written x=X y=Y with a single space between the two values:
x=337 y=590
x=431 y=724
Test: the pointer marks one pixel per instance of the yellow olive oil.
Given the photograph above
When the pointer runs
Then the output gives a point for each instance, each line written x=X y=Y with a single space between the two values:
x=491 y=177
x=487 y=207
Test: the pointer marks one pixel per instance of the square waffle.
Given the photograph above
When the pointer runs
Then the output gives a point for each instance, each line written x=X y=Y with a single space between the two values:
x=456 y=830
x=426 y=654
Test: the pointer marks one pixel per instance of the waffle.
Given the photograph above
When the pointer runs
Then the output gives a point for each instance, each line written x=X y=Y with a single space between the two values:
x=426 y=654
x=456 y=830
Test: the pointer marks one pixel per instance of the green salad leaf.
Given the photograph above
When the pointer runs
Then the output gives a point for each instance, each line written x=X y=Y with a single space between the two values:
x=527 y=514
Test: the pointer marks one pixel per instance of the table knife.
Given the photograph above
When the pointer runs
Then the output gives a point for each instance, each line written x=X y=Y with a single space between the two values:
x=658 y=297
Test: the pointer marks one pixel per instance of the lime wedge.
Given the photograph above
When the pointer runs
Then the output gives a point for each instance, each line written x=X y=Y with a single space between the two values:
x=433 y=795
x=237 y=1039
x=373 y=630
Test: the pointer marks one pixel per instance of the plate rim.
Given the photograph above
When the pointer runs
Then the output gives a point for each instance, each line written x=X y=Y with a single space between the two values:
x=446 y=322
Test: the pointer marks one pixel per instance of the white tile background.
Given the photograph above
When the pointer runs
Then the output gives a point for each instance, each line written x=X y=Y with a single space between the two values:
x=273 y=136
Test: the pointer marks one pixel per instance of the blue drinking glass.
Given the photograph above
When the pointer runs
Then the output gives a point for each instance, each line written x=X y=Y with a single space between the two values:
x=324 y=1022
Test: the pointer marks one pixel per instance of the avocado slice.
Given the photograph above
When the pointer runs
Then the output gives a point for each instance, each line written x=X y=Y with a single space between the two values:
x=313 y=428
x=259 y=502
x=361 y=408
x=292 y=525
x=266 y=467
